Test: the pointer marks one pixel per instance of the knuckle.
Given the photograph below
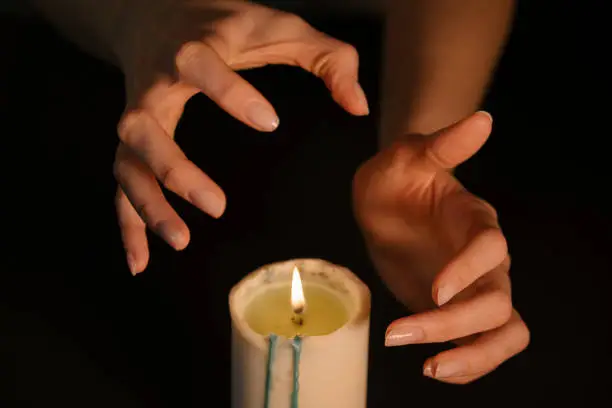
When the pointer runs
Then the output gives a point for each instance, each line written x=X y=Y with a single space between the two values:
x=500 y=307
x=119 y=199
x=119 y=167
x=291 y=20
x=222 y=91
x=142 y=209
x=523 y=336
x=401 y=154
x=188 y=55
x=489 y=208
x=348 y=52
x=495 y=238
x=173 y=174
x=286 y=22
x=127 y=122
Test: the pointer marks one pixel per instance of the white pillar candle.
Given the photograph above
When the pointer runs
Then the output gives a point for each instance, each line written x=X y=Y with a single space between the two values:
x=334 y=329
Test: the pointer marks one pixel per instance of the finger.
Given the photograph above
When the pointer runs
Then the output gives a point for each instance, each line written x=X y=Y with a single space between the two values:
x=199 y=65
x=146 y=197
x=488 y=307
x=457 y=143
x=486 y=249
x=146 y=139
x=337 y=64
x=481 y=356
x=133 y=234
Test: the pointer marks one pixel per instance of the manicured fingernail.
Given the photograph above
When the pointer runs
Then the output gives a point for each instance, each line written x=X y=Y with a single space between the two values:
x=444 y=370
x=208 y=202
x=132 y=264
x=428 y=370
x=262 y=116
x=445 y=293
x=402 y=335
x=486 y=114
x=171 y=235
x=364 y=109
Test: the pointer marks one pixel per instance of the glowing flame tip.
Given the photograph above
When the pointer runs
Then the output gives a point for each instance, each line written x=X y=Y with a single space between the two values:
x=298 y=302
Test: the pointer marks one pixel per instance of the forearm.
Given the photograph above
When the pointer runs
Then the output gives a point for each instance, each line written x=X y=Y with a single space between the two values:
x=92 y=24
x=439 y=59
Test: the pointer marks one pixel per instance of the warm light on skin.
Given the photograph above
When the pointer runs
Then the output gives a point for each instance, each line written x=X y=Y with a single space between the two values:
x=298 y=301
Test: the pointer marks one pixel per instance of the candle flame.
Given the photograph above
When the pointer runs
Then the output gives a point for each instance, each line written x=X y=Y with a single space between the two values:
x=298 y=302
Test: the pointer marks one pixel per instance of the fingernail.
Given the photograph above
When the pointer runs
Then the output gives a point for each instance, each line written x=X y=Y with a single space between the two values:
x=171 y=235
x=444 y=370
x=445 y=293
x=400 y=336
x=132 y=264
x=428 y=370
x=208 y=202
x=486 y=114
x=363 y=101
x=262 y=116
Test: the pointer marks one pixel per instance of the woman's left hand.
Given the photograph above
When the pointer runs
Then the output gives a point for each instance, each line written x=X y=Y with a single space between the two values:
x=441 y=251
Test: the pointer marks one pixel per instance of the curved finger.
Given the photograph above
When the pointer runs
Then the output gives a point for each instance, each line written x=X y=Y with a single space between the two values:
x=148 y=201
x=481 y=356
x=486 y=249
x=133 y=234
x=200 y=65
x=489 y=307
x=337 y=64
x=146 y=139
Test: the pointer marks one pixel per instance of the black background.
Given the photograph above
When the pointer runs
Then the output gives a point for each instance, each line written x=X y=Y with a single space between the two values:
x=76 y=329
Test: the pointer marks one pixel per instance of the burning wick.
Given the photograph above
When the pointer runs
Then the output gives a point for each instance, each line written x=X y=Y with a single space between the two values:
x=297 y=318
x=298 y=302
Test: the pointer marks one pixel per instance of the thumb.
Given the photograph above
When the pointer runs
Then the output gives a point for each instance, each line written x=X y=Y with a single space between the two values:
x=337 y=64
x=455 y=144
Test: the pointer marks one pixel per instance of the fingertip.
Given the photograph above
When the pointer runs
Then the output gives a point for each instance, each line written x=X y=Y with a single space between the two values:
x=137 y=264
x=443 y=294
x=401 y=332
x=360 y=105
x=182 y=240
x=428 y=368
x=211 y=202
x=177 y=236
x=483 y=119
x=393 y=324
x=350 y=95
x=485 y=115
x=262 y=116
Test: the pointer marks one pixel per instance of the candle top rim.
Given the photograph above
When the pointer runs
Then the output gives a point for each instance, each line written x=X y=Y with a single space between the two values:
x=356 y=290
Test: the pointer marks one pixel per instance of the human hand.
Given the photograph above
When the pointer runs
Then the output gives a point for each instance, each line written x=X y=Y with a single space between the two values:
x=440 y=251
x=170 y=50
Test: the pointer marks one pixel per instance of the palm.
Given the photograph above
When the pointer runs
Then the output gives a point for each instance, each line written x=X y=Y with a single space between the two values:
x=416 y=216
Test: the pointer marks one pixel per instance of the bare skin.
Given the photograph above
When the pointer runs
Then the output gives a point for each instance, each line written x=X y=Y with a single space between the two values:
x=438 y=247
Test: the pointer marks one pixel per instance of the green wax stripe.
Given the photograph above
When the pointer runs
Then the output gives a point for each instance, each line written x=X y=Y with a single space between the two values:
x=297 y=353
x=271 y=349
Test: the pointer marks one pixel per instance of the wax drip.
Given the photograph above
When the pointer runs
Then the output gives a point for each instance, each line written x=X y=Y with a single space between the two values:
x=271 y=352
x=297 y=353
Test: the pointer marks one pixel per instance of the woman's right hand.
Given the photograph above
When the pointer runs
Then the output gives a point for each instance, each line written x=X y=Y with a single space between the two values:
x=169 y=50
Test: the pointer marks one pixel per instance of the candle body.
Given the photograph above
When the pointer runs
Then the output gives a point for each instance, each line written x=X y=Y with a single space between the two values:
x=334 y=358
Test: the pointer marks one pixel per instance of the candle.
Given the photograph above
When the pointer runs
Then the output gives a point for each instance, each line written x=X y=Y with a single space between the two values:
x=300 y=332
